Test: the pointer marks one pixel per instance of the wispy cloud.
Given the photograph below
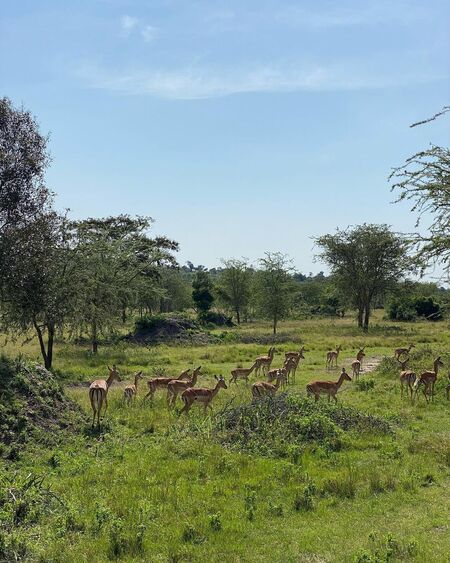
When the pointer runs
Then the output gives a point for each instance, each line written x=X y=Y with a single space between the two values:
x=127 y=24
x=131 y=24
x=197 y=82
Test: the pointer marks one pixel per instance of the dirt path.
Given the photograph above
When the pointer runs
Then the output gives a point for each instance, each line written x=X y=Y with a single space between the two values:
x=370 y=364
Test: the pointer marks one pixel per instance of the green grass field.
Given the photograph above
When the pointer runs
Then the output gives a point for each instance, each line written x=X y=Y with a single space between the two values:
x=152 y=486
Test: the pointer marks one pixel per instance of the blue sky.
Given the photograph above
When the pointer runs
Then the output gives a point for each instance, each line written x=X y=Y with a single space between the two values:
x=240 y=127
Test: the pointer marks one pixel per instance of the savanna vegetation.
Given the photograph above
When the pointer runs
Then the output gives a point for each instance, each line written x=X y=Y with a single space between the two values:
x=282 y=478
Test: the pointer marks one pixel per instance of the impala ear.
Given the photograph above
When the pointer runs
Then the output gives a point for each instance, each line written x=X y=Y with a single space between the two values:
x=109 y=368
x=216 y=377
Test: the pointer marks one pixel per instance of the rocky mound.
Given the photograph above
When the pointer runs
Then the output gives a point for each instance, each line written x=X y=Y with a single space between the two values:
x=32 y=405
x=169 y=328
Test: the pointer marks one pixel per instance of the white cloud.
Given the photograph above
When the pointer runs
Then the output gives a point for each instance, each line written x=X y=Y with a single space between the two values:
x=148 y=33
x=127 y=24
x=200 y=82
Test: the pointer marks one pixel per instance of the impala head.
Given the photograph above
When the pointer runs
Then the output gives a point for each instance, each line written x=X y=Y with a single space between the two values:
x=113 y=373
x=338 y=348
x=345 y=375
x=361 y=352
x=138 y=375
x=221 y=382
x=438 y=362
x=197 y=370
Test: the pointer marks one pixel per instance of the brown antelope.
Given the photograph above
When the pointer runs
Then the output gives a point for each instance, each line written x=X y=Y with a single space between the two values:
x=130 y=391
x=264 y=362
x=98 y=392
x=294 y=362
x=360 y=356
x=289 y=365
x=403 y=351
x=162 y=382
x=201 y=395
x=281 y=373
x=407 y=377
x=176 y=386
x=356 y=369
x=428 y=379
x=332 y=356
x=329 y=388
x=242 y=373
x=261 y=388
x=296 y=354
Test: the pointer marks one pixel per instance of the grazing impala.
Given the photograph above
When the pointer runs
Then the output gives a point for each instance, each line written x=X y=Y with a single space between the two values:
x=242 y=373
x=403 y=351
x=201 y=395
x=407 y=377
x=329 y=388
x=98 y=392
x=332 y=356
x=130 y=391
x=162 y=382
x=356 y=368
x=264 y=362
x=428 y=379
x=261 y=388
x=176 y=386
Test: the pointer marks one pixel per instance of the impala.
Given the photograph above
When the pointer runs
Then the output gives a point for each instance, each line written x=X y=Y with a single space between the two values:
x=98 y=392
x=279 y=373
x=329 y=388
x=162 y=382
x=261 y=388
x=264 y=362
x=356 y=368
x=296 y=354
x=201 y=395
x=130 y=391
x=407 y=377
x=428 y=379
x=360 y=356
x=242 y=373
x=403 y=351
x=176 y=386
x=332 y=356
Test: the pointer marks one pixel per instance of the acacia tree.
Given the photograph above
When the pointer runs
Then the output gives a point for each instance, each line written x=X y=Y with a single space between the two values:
x=274 y=287
x=34 y=250
x=234 y=286
x=424 y=180
x=38 y=283
x=366 y=262
x=117 y=264
x=202 y=292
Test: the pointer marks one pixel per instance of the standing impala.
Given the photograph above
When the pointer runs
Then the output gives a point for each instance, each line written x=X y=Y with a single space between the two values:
x=176 y=386
x=130 y=391
x=201 y=395
x=332 y=356
x=356 y=368
x=98 y=392
x=264 y=362
x=329 y=388
x=407 y=377
x=261 y=388
x=360 y=356
x=428 y=379
x=242 y=373
x=298 y=354
x=403 y=351
x=162 y=382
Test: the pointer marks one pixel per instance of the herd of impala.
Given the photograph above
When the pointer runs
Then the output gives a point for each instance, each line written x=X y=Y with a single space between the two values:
x=185 y=383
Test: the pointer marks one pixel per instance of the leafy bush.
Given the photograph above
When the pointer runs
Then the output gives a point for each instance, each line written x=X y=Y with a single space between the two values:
x=219 y=319
x=276 y=426
x=408 y=308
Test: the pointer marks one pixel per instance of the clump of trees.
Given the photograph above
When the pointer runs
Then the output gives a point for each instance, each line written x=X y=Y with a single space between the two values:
x=366 y=263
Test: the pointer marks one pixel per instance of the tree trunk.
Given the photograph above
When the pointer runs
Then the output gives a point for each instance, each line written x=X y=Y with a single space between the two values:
x=275 y=322
x=47 y=354
x=94 y=338
x=124 y=315
x=366 y=319
x=238 y=317
x=360 y=317
x=50 y=341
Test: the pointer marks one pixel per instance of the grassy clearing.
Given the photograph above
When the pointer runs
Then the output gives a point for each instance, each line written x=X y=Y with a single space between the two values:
x=154 y=487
